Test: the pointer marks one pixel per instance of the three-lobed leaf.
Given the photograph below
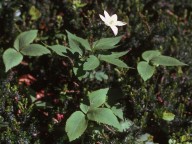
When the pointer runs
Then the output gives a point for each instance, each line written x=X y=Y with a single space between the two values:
x=105 y=116
x=91 y=63
x=76 y=125
x=98 y=97
x=24 y=39
x=11 y=58
x=145 y=70
x=35 y=50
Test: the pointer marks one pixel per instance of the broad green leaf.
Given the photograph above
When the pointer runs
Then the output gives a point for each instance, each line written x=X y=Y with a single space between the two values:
x=118 y=112
x=59 y=49
x=34 y=13
x=91 y=63
x=84 y=107
x=24 y=39
x=145 y=70
x=168 y=116
x=106 y=43
x=166 y=61
x=148 y=55
x=112 y=60
x=105 y=116
x=98 y=97
x=78 y=40
x=35 y=50
x=76 y=125
x=11 y=58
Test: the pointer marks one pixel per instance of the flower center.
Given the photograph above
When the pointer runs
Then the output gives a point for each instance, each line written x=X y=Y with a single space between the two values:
x=111 y=22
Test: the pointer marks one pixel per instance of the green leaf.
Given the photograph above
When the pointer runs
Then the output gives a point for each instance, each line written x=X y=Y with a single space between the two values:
x=145 y=70
x=112 y=60
x=118 y=54
x=98 y=97
x=24 y=39
x=105 y=116
x=84 y=108
x=118 y=112
x=74 y=41
x=79 y=72
x=91 y=63
x=101 y=76
x=148 y=55
x=168 y=116
x=40 y=104
x=75 y=47
x=11 y=58
x=59 y=49
x=76 y=125
x=125 y=124
x=34 y=13
x=78 y=4
x=106 y=43
x=166 y=61
x=35 y=50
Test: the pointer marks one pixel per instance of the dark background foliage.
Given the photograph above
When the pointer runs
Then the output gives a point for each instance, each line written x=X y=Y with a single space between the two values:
x=152 y=24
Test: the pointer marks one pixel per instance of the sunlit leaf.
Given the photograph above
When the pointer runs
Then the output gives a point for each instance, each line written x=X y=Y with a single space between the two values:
x=168 y=116
x=105 y=116
x=76 y=125
x=84 y=107
x=98 y=97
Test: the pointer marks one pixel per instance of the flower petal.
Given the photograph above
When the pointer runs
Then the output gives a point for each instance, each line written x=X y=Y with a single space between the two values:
x=114 y=17
x=120 y=23
x=102 y=17
x=114 y=29
x=107 y=16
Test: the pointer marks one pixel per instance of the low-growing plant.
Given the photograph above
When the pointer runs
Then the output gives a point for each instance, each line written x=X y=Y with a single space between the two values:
x=86 y=57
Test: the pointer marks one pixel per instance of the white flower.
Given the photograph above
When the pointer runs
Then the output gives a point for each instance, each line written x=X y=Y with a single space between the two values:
x=17 y=13
x=112 y=22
